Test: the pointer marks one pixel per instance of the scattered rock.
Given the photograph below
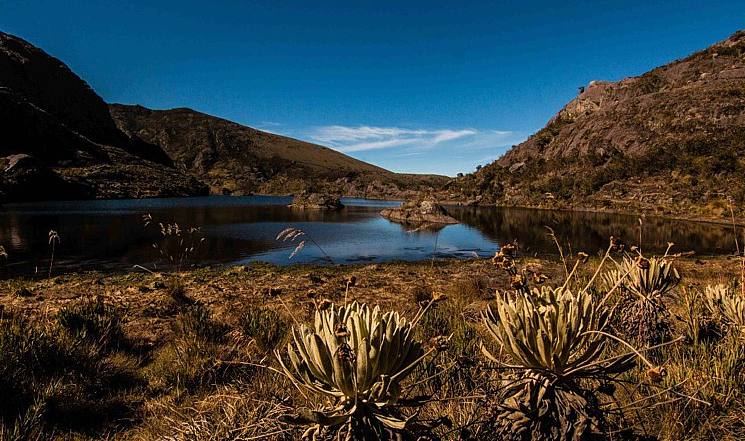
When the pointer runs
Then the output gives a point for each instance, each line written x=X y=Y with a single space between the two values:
x=421 y=212
x=25 y=178
x=473 y=202
x=516 y=167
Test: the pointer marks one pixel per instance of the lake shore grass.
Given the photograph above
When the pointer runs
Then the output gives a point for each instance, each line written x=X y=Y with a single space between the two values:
x=188 y=355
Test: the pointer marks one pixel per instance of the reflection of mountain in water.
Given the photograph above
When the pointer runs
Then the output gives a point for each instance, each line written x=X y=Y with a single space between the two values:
x=590 y=231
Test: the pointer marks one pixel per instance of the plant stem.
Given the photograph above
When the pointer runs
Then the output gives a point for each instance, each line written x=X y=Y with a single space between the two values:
x=434 y=251
x=740 y=254
x=51 y=262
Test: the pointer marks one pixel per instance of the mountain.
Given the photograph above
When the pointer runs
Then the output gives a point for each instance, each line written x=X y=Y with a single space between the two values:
x=235 y=159
x=58 y=140
x=671 y=141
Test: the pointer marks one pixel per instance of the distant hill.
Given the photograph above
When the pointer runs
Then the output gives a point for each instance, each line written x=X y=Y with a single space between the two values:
x=235 y=159
x=669 y=141
x=58 y=140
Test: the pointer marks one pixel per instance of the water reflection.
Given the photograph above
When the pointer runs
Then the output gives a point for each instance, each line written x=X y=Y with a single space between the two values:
x=590 y=231
x=109 y=235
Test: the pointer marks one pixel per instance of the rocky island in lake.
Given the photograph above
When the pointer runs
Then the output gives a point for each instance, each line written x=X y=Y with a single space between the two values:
x=420 y=212
x=316 y=201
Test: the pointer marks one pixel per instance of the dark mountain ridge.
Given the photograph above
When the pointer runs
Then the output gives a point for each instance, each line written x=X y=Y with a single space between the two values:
x=60 y=142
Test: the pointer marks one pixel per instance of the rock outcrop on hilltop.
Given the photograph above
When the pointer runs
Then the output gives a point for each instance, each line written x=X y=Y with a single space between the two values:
x=60 y=142
x=669 y=141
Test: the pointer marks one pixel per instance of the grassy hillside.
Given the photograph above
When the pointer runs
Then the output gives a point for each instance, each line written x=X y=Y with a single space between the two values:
x=235 y=159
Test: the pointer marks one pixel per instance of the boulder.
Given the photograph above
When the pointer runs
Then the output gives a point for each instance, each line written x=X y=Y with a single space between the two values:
x=316 y=201
x=421 y=212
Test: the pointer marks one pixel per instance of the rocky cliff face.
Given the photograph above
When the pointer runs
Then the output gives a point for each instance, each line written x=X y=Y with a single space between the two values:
x=64 y=132
x=668 y=141
x=235 y=159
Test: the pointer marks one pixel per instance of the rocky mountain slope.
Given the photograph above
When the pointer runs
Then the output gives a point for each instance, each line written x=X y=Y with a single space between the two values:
x=58 y=140
x=235 y=159
x=669 y=141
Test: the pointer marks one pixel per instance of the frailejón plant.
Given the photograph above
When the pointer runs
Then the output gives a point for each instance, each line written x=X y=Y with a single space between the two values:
x=727 y=304
x=554 y=338
x=357 y=357
x=643 y=283
x=647 y=278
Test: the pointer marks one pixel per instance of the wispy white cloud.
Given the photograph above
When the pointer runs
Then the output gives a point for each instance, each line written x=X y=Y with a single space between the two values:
x=360 y=138
x=375 y=145
x=415 y=150
x=269 y=127
x=345 y=134
x=449 y=135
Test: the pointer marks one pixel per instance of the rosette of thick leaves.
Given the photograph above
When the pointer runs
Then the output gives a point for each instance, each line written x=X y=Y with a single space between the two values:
x=354 y=353
x=553 y=331
x=729 y=305
x=554 y=338
x=647 y=278
x=358 y=356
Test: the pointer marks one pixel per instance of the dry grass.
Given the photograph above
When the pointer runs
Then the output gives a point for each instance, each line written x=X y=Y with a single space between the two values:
x=191 y=371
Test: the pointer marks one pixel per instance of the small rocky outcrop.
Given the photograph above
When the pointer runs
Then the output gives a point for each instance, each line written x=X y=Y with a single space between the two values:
x=421 y=212
x=316 y=201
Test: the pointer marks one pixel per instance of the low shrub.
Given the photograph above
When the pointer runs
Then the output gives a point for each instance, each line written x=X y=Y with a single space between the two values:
x=94 y=321
x=267 y=327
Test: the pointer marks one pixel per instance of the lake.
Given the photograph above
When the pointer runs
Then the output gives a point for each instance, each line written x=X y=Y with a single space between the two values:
x=110 y=235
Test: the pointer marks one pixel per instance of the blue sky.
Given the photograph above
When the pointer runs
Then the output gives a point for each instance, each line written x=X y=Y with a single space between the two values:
x=412 y=86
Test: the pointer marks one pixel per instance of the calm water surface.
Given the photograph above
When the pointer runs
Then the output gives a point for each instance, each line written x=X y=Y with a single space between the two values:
x=109 y=235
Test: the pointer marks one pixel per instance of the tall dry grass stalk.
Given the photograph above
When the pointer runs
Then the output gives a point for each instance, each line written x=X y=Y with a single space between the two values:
x=292 y=233
x=53 y=240
x=177 y=245
x=740 y=253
